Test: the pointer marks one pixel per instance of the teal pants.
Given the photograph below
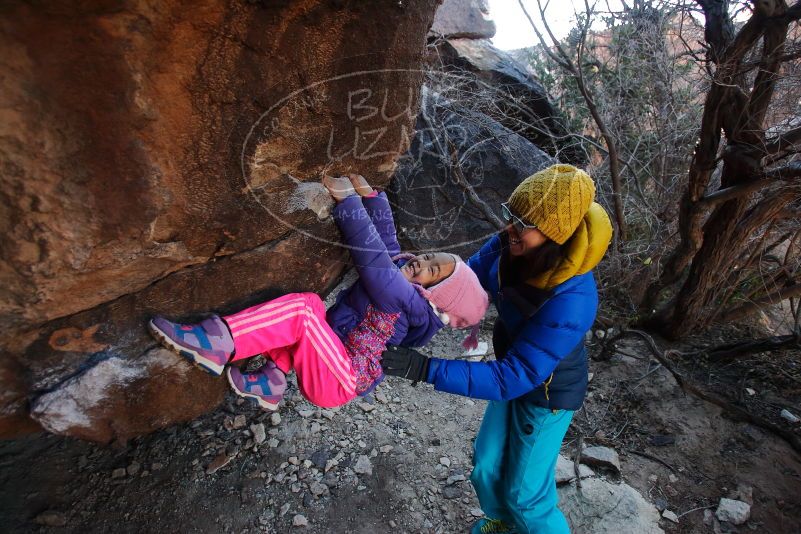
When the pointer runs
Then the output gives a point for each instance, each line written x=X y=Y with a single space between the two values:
x=513 y=465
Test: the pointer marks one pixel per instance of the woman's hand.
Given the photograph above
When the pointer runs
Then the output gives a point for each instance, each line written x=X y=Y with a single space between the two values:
x=406 y=363
x=339 y=187
x=360 y=185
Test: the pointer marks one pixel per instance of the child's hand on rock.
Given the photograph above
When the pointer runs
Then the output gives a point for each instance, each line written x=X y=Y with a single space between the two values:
x=339 y=187
x=360 y=184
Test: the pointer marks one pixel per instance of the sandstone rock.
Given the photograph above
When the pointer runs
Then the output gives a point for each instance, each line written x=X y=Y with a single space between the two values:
x=318 y=489
x=463 y=18
x=734 y=512
x=452 y=492
x=218 y=463
x=363 y=466
x=191 y=186
x=453 y=479
x=51 y=518
x=259 y=435
x=789 y=416
x=601 y=507
x=601 y=457
x=94 y=404
x=240 y=421
x=670 y=516
x=366 y=407
x=565 y=471
x=133 y=468
x=475 y=73
x=493 y=161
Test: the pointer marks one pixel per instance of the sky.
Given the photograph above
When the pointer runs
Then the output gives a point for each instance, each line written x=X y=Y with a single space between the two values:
x=514 y=30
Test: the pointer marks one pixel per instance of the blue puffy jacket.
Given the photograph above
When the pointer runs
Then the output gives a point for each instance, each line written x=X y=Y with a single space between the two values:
x=368 y=230
x=550 y=342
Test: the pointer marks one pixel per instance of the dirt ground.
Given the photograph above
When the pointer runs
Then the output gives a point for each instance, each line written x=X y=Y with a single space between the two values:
x=398 y=463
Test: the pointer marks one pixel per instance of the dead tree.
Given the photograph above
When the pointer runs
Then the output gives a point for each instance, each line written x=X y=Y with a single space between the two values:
x=758 y=189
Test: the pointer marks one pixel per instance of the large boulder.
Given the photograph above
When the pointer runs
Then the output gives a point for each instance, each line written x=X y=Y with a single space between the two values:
x=483 y=78
x=601 y=507
x=467 y=19
x=449 y=186
x=165 y=158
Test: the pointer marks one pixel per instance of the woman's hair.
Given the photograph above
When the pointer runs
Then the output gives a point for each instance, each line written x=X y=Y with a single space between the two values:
x=518 y=269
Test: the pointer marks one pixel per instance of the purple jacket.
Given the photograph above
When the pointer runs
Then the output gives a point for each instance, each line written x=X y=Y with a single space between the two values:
x=369 y=231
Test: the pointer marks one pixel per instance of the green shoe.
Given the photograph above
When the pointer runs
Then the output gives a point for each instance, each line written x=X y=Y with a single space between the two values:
x=492 y=526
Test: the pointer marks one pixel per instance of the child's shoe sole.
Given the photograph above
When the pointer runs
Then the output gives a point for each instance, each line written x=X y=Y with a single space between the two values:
x=252 y=398
x=201 y=362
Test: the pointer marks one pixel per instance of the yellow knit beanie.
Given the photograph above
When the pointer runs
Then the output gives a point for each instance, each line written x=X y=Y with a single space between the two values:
x=555 y=200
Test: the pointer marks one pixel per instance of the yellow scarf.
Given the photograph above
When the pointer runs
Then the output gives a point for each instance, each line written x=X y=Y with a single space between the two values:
x=585 y=249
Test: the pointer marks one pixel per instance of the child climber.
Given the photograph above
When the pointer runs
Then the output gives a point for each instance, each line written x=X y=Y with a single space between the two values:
x=398 y=299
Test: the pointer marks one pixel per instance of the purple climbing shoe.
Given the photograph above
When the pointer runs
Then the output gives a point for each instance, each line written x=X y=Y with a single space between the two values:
x=264 y=386
x=208 y=344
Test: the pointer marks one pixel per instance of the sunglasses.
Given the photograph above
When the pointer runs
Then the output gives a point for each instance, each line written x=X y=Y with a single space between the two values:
x=514 y=220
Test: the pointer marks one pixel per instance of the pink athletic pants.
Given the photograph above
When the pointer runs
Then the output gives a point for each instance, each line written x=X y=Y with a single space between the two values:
x=293 y=332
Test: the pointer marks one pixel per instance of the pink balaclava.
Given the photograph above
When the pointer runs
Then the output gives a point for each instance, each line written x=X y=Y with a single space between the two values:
x=460 y=296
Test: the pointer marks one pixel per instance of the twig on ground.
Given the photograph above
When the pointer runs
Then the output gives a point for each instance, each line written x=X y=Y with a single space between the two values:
x=577 y=460
x=652 y=458
x=696 y=509
x=622 y=428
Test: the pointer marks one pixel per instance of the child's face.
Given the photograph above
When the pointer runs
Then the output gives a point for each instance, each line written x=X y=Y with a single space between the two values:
x=429 y=269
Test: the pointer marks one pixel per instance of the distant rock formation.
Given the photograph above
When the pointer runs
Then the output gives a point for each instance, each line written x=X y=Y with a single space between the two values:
x=164 y=158
x=483 y=78
x=468 y=19
x=449 y=186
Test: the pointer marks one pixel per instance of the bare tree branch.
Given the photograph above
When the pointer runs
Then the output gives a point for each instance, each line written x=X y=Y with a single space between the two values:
x=575 y=69
x=775 y=297
x=788 y=172
x=783 y=141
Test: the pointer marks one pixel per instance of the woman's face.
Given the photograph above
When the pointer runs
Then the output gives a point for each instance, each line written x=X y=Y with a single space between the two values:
x=429 y=269
x=525 y=242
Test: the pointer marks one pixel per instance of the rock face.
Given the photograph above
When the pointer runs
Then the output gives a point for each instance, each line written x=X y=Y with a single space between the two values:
x=165 y=158
x=483 y=78
x=456 y=152
x=463 y=19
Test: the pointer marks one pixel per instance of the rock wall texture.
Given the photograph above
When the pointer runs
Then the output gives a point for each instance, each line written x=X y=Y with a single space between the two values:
x=163 y=157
